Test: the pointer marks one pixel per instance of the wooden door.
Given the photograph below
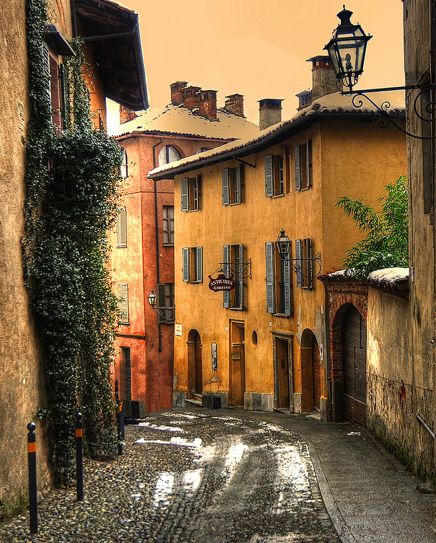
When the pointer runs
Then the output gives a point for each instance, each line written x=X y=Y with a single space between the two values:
x=354 y=361
x=237 y=363
x=316 y=372
x=195 y=364
x=198 y=366
x=282 y=361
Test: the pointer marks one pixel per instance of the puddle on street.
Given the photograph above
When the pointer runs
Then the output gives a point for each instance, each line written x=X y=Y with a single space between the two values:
x=163 y=489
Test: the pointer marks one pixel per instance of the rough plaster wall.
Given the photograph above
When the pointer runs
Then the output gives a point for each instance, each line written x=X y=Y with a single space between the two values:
x=394 y=398
x=19 y=363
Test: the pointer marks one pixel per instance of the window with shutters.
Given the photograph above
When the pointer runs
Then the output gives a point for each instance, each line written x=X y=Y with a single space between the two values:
x=304 y=263
x=278 y=281
x=122 y=228
x=191 y=193
x=123 y=303
x=166 y=309
x=234 y=256
x=168 y=225
x=274 y=176
x=303 y=166
x=57 y=92
x=232 y=185
x=192 y=262
x=168 y=154
x=124 y=166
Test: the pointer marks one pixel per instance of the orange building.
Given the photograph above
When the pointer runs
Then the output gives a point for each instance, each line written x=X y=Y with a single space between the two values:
x=143 y=244
x=262 y=345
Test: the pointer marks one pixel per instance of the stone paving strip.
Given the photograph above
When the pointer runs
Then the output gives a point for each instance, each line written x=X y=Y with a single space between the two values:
x=191 y=477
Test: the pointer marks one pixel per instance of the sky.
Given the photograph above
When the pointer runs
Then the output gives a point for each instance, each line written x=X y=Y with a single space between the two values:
x=259 y=48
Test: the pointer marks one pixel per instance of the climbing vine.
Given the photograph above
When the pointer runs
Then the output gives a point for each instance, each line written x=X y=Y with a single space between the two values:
x=71 y=203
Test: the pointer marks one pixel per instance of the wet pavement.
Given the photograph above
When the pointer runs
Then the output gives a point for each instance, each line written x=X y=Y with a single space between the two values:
x=192 y=477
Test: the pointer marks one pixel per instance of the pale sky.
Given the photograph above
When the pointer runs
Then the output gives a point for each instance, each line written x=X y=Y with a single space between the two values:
x=259 y=48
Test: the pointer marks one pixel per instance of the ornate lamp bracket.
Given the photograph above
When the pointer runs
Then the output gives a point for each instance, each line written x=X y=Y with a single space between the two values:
x=238 y=270
x=315 y=261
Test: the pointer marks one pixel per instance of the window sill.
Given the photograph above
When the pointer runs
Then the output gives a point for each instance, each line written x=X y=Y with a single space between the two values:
x=190 y=210
x=121 y=246
x=235 y=308
x=167 y=244
x=282 y=315
x=304 y=189
x=278 y=195
x=194 y=282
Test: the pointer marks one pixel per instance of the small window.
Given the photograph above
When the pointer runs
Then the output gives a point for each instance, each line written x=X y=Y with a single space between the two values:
x=166 y=307
x=192 y=264
x=123 y=303
x=234 y=267
x=55 y=92
x=274 y=176
x=125 y=375
x=191 y=193
x=124 y=166
x=232 y=185
x=122 y=228
x=304 y=250
x=168 y=154
x=303 y=166
x=168 y=225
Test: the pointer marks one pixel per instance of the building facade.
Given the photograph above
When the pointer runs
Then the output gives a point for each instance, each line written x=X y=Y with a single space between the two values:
x=262 y=345
x=143 y=244
x=22 y=391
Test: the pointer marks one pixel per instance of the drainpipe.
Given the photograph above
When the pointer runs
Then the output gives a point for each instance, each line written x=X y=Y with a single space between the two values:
x=156 y=230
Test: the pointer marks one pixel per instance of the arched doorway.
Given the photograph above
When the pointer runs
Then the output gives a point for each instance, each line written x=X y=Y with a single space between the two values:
x=310 y=372
x=354 y=365
x=195 y=369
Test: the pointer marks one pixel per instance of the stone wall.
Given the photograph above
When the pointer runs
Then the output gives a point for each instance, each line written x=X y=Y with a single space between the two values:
x=396 y=393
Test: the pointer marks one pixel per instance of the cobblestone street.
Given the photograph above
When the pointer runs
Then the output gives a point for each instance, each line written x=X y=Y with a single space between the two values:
x=191 y=477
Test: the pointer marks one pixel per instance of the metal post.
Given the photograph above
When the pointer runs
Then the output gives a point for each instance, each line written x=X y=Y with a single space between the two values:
x=120 y=423
x=79 y=456
x=33 y=498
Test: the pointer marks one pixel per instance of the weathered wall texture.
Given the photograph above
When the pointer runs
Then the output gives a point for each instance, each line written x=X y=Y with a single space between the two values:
x=420 y=66
x=349 y=158
x=396 y=388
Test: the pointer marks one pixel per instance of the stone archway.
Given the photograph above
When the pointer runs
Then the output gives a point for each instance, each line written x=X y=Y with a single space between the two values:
x=349 y=365
x=310 y=372
x=195 y=364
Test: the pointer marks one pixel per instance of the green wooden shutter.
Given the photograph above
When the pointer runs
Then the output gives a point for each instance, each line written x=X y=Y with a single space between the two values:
x=309 y=263
x=122 y=228
x=185 y=194
x=226 y=294
x=199 y=264
x=297 y=168
x=287 y=280
x=298 y=250
x=225 y=187
x=269 y=178
x=240 y=277
x=161 y=300
x=197 y=189
x=239 y=184
x=270 y=278
x=64 y=95
x=123 y=300
x=185 y=261
x=308 y=162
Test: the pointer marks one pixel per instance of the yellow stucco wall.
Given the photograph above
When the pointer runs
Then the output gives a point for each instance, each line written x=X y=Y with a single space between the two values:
x=361 y=167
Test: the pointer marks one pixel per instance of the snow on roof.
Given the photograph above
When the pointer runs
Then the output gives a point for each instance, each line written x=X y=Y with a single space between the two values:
x=335 y=103
x=180 y=120
x=396 y=278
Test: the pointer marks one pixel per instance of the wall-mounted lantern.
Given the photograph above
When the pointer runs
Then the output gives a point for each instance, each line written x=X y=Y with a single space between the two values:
x=283 y=244
x=152 y=299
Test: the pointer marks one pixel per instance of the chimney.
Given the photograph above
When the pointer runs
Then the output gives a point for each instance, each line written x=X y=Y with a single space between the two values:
x=191 y=97
x=176 y=92
x=207 y=104
x=270 y=112
x=126 y=114
x=235 y=104
x=323 y=77
x=304 y=99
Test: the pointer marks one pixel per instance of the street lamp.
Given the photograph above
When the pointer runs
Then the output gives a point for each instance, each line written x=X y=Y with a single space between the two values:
x=283 y=244
x=152 y=299
x=347 y=49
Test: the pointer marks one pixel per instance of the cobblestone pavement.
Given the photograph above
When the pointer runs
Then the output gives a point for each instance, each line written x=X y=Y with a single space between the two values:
x=191 y=477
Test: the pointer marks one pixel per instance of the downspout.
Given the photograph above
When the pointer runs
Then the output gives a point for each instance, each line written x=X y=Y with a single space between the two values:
x=74 y=17
x=156 y=231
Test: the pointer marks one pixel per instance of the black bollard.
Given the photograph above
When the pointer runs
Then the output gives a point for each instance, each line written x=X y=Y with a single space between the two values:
x=33 y=498
x=120 y=424
x=79 y=456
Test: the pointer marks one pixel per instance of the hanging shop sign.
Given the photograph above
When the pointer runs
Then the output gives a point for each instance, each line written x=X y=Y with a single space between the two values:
x=221 y=283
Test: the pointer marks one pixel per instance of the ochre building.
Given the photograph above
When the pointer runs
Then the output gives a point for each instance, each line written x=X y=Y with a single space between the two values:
x=143 y=244
x=262 y=345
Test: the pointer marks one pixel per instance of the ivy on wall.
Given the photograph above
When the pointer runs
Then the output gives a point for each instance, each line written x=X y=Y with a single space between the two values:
x=71 y=203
